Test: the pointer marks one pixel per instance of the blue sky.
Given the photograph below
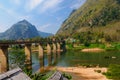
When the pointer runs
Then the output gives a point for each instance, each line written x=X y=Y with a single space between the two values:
x=46 y=15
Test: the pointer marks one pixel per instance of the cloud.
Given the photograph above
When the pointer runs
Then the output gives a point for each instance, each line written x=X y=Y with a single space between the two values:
x=8 y=11
x=32 y=4
x=50 y=4
x=43 y=27
x=16 y=2
x=3 y=27
x=14 y=14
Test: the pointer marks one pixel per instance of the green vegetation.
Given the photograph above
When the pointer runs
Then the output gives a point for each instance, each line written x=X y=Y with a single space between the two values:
x=39 y=76
x=16 y=58
x=113 y=72
x=107 y=46
x=99 y=71
x=95 y=21
x=68 y=76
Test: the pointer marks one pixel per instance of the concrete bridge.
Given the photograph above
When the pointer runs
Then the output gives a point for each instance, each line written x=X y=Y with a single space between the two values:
x=51 y=46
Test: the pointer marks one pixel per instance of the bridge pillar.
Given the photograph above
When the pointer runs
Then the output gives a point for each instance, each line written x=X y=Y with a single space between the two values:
x=4 y=65
x=54 y=48
x=40 y=50
x=58 y=46
x=48 y=49
x=41 y=58
x=28 y=55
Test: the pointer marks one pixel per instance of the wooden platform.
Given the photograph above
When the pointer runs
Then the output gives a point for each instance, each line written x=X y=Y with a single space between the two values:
x=15 y=74
x=18 y=74
x=57 y=76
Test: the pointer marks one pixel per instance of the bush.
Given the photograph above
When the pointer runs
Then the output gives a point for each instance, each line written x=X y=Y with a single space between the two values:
x=69 y=77
x=99 y=71
x=113 y=72
x=87 y=44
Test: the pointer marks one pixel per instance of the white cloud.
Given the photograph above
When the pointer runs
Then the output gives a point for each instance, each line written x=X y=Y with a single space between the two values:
x=14 y=14
x=32 y=4
x=43 y=27
x=50 y=4
x=16 y=2
x=3 y=27
x=8 y=11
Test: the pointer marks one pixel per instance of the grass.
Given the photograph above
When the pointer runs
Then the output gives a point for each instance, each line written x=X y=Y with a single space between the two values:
x=113 y=72
x=68 y=76
x=113 y=46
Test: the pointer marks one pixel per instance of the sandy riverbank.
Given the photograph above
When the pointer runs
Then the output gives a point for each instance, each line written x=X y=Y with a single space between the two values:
x=93 y=50
x=81 y=73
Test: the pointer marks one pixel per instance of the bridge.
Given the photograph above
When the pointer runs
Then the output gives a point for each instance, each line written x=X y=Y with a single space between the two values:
x=51 y=46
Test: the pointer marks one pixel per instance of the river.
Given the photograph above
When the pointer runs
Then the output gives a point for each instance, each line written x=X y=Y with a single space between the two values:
x=77 y=58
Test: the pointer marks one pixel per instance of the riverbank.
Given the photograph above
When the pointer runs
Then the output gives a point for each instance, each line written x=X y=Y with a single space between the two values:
x=82 y=73
x=92 y=50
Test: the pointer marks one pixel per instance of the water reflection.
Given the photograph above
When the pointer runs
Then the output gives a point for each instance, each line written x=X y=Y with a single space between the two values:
x=59 y=54
x=54 y=58
x=49 y=60
x=74 y=58
x=39 y=63
x=41 y=60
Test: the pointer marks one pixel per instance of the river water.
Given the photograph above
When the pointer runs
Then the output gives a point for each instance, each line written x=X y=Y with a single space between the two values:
x=77 y=58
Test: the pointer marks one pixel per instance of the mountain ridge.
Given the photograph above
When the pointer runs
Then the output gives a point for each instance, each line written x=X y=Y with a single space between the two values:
x=21 y=30
x=93 y=14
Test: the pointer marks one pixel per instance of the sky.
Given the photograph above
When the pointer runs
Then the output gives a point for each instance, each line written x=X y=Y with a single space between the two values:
x=46 y=15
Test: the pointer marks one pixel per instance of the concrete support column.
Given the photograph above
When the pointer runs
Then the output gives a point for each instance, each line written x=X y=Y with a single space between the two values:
x=48 y=49
x=40 y=51
x=54 y=48
x=28 y=55
x=4 y=65
x=58 y=46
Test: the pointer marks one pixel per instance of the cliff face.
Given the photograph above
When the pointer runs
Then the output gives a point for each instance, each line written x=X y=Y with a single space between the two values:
x=93 y=14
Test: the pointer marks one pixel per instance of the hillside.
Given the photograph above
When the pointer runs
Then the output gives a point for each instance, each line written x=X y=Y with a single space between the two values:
x=95 y=16
x=22 y=30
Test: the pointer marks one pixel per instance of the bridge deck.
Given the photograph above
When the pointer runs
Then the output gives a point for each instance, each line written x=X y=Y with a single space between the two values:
x=26 y=42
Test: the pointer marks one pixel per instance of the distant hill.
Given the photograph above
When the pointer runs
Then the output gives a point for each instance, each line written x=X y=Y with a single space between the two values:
x=95 y=16
x=44 y=34
x=22 y=30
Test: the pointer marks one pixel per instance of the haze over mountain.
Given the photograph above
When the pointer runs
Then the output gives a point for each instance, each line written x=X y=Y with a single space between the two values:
x=98 y=16
x=22 y=30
